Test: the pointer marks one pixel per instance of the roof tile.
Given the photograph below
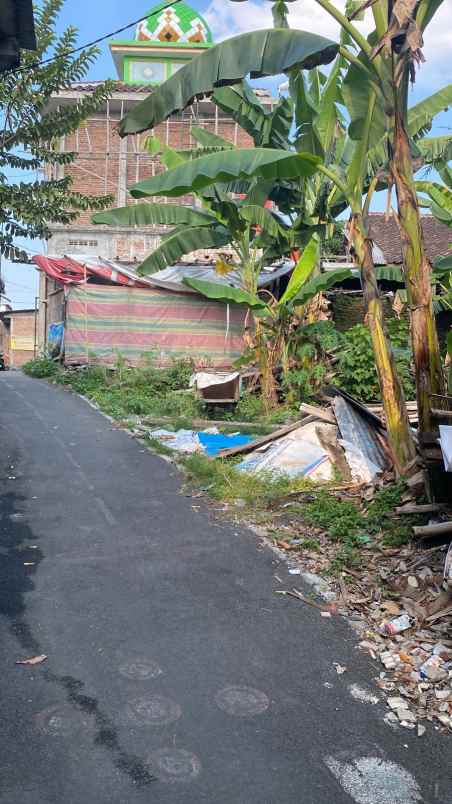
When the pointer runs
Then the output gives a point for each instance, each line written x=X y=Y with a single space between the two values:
x=437 y=236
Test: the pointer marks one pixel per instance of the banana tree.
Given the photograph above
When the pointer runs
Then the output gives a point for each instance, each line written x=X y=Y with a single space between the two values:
x=274 y=318
x=249 y=229
x=380 y=74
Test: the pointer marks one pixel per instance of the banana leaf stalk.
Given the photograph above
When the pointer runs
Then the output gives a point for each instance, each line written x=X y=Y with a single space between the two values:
x=397 y=422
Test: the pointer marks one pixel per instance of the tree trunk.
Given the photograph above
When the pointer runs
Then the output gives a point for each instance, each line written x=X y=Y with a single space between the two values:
x=417 y=268
x=399 y=431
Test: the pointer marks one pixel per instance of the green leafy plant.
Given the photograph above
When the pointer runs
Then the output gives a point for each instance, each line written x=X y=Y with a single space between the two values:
x=31 y=132
x=356 y=371
x=41 y=367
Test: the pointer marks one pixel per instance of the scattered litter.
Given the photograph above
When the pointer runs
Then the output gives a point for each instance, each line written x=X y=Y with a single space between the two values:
x=297 y=454
x=181 y=440
x=363 y=695
x=33 y=660
x=340 y=669
x=209 y=442
x=397 y=625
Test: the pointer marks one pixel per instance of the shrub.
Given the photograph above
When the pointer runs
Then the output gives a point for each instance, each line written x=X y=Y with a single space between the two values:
x=41 y=367
x=357 y=372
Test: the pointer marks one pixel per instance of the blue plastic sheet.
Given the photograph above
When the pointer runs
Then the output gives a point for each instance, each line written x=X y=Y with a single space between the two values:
x=212 y=443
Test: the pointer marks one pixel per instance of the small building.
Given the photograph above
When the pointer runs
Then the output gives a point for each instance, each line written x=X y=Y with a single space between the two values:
x=18 y=336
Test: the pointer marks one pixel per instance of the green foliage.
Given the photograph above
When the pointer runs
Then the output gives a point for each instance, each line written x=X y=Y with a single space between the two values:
x=310 y=348
x=357 y=372
x=30 y=133
x=41 y=367
x=223 y=482
x=136 y=391
x=334 y=244
x=147 y=214
x=227 y=166
x=226 y=293
x=353 y=528
x=260 y=53
x=304 y=268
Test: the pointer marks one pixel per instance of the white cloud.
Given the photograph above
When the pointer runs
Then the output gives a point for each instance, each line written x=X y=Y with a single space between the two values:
x=228 y=18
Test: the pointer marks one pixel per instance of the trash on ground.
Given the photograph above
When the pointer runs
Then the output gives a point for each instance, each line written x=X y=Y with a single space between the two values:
x=445 y=440
x=297 y=454
x=210 y=441
x=217 y=388
x=33 y=660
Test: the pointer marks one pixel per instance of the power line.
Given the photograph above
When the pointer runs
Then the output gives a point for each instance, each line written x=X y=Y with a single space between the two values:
x=88 y=44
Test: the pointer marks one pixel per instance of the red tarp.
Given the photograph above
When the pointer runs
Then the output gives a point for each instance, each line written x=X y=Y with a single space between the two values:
x=69 y=271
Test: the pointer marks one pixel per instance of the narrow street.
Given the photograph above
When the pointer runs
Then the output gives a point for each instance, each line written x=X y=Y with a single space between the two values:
x=174 y=675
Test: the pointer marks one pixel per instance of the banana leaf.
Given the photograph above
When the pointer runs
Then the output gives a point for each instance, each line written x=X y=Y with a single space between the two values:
x=208 y=139
x=443 y=264
x=225 y=293
x=357 y=88
x=269 y=129
x=390 y=273
x=421 y=115
x=262 y=217
x=303 y=269
x=194 y=175
x=320 y=283
x=152 y=213
x=306 y=113
x=183 y=241
x=260 y=53
x=435 y=149
x=440 y=199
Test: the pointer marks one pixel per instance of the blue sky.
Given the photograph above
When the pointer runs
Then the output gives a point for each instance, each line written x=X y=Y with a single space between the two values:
x=95 y=19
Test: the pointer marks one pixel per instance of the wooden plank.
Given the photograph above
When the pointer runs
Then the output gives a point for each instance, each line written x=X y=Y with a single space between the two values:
x=428 y=508
x=320 y=413
x=266 y=439
x=433 y=530
x=441 y=414
x=328 y=439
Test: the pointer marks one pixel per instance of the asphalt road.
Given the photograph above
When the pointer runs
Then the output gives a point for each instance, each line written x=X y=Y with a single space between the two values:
x=175 y=675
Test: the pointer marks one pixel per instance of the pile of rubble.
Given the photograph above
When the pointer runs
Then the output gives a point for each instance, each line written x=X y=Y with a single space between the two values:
x=400 y=605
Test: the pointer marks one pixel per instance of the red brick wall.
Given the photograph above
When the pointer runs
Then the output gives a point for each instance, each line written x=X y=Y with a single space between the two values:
x=96 y=169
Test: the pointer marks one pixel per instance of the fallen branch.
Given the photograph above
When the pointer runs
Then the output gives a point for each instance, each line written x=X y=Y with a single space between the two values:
x=419 y=509
x=433 y=530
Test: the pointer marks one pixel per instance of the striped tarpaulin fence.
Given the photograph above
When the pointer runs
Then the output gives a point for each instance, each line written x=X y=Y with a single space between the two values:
x=106 y=322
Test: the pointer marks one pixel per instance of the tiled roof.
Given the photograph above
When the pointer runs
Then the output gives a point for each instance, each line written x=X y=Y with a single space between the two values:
x=386 y=235
x=119 y=86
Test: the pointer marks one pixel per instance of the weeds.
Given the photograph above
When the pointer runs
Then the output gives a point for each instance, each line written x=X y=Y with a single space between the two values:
x=223 y=482
x=41 y=367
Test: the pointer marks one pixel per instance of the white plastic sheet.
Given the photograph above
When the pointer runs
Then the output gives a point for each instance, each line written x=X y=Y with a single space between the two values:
x=445 y=440
x=298 y=454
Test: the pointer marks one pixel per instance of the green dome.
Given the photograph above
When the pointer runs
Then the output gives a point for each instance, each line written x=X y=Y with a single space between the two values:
x=178 y=23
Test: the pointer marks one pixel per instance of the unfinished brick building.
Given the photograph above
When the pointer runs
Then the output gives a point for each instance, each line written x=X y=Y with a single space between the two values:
x=105 y=163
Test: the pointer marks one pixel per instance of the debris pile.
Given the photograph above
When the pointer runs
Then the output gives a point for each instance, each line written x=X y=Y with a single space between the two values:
x=400 y=605
x=343 y=438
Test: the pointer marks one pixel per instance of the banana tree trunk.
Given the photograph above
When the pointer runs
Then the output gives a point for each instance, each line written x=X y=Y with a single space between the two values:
x=399 y=431
x=427 y=360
